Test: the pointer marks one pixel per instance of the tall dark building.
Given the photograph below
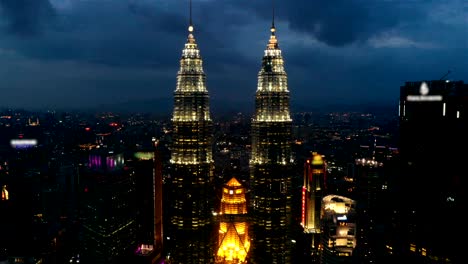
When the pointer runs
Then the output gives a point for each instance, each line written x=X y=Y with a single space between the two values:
x=148 y=174
x=371 y=189
x=191 y=188
x=271 y=160
x=107 y=208
x=433 y=137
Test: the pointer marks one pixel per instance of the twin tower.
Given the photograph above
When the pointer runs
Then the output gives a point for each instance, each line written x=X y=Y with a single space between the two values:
x=191 y=192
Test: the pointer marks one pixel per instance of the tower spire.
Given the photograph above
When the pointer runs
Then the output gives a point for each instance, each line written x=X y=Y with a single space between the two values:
x=273 y=43
x=190 y=3
x=191 y=39
x=273 y=13
x=273 y=29
x=190 y=28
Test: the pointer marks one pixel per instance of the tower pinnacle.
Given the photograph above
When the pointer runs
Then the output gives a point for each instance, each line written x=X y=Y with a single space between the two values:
x=191 y=39
x=190 y=28
x=273 y=42
x=273 y=29
x=190 y=16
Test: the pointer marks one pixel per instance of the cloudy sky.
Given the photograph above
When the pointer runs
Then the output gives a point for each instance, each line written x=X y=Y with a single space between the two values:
x=82 y=53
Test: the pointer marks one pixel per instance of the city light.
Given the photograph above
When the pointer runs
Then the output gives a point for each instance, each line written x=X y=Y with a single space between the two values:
x=23 y=143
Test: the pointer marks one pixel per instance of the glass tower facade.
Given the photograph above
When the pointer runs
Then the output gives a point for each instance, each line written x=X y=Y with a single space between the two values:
x=191 y=190
x=271 y=159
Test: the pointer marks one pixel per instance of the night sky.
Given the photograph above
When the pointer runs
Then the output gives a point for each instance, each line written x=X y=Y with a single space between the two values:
x=83 y=53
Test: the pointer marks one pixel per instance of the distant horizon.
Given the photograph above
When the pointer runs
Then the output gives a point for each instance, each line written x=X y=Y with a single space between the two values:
x=163 y=106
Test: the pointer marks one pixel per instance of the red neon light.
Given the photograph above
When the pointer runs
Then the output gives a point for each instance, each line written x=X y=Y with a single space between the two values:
x=303 y=204
x=88 y=129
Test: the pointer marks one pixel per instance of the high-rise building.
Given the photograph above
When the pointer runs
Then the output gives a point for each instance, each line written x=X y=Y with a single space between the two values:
x=191 y=189
x=371 y=190
x=433 y=137
x=270 y=163
x=107 y=208
x=148 y=174
x=338 y=219
x=234 y=241
x=313 y=191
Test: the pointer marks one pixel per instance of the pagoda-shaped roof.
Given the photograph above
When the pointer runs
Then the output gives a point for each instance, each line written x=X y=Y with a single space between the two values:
x=233 y=182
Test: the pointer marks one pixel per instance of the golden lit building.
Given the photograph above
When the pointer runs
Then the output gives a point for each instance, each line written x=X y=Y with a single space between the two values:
x=313 y=191
x=234 y=241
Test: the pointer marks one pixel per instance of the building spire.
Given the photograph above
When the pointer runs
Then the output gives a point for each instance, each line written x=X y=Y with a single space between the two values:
x=273 y=43
x=191 y=39
x=190 y=15
x=273 y=29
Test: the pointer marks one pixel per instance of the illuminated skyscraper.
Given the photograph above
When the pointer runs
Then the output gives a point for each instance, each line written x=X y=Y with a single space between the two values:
x=312 y=193
x=234 y=241
x=271 y=160
x=191 y=192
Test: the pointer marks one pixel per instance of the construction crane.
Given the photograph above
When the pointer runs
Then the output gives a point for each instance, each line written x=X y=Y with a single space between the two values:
x=445 y=75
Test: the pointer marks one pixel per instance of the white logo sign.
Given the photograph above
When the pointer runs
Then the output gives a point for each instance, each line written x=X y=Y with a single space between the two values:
x=424 y=89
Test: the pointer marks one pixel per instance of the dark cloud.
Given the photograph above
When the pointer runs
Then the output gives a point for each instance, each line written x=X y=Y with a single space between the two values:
x=26 y=17
x=129 y=49
x=338 y=22
x=124 y=34
x=163 y=22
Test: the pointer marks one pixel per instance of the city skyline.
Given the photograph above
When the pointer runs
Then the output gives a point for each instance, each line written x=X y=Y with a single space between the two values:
x=81 y=54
